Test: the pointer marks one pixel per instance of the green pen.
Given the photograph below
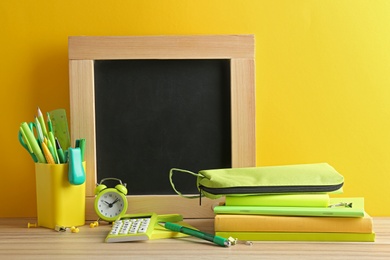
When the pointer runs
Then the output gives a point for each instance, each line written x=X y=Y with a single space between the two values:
x=196 y=233
x=52 y=140
x=60 y=152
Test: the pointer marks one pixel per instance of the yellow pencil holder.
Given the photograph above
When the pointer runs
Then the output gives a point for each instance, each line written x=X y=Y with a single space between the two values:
x=58 y=202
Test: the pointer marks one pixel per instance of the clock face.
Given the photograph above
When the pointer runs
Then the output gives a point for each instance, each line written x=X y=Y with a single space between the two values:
x=110 y=204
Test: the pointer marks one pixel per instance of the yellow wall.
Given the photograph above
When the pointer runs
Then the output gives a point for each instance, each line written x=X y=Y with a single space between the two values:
x=322 y=75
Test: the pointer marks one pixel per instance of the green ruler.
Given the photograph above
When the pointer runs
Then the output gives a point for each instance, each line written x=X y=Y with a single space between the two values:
x=60 y=127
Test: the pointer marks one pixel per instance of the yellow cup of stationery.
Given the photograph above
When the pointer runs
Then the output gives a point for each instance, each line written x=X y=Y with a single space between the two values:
x=59 y=203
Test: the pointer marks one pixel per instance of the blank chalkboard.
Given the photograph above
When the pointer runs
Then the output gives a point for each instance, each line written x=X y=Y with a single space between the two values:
x=153 y=115
x=148 y=103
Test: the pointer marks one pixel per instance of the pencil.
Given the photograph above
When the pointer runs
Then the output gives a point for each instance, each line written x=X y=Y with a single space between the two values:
x=46 y=152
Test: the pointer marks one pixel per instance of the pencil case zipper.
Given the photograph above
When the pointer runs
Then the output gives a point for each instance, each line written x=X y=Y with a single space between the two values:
x=267 y=190
x=270 y=189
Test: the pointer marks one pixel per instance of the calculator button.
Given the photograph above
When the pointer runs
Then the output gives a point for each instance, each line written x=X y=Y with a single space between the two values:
x=131 y=229
x=135 y=227
x=116 y=227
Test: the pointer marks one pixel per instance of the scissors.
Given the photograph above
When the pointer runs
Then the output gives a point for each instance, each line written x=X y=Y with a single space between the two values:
x=30 y=142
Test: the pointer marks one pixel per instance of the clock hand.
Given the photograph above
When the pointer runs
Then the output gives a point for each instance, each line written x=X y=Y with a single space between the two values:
x=111 y=204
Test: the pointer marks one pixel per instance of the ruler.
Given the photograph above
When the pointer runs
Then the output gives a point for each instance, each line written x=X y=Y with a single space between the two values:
x=60 y=127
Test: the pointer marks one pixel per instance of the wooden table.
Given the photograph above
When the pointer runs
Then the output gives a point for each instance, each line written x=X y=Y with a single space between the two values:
x=19 y=242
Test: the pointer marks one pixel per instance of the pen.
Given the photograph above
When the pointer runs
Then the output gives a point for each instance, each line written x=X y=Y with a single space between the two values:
x=60 y=152
x=52 y=140
x=196 y=233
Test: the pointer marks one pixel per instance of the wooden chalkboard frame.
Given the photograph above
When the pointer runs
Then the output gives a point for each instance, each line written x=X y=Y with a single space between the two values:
x=239 y=49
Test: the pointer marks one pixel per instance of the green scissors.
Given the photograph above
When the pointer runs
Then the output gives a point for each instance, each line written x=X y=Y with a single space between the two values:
x=29 y=142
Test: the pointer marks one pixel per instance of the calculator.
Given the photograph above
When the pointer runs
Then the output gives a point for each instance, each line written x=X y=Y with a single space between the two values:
x=132 y=227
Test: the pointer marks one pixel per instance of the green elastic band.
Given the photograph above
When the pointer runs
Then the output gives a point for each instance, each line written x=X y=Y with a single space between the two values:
x=173 y=185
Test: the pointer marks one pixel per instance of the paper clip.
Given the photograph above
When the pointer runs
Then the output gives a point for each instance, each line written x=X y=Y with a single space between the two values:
x=73 y=229
x=341 y=204
x=235 y=241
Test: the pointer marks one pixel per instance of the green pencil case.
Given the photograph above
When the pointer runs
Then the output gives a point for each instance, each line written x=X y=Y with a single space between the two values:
x=300 y=178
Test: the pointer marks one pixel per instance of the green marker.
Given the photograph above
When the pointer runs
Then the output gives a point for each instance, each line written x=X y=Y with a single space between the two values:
x=81 y=143
x=196 y=233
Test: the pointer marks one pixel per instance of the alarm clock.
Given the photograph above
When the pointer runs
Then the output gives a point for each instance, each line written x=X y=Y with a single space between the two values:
x=110 y=203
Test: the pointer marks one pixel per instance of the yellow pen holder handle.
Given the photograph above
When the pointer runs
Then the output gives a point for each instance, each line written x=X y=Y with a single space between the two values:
x=58 y=202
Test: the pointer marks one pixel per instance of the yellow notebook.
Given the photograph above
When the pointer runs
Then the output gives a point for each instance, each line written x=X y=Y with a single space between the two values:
x=262 y=223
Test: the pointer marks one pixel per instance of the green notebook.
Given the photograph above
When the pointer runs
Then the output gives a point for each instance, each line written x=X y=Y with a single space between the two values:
x=357 y=209
x=280 y=200
x=297 y=236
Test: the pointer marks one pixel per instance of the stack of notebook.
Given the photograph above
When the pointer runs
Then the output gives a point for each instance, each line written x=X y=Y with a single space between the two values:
x=294 y=217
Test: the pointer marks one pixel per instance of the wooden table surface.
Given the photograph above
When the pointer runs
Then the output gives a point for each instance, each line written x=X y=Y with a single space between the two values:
x=19 y=242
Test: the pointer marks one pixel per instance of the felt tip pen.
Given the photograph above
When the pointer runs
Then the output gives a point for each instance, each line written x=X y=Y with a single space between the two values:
x=196 y=233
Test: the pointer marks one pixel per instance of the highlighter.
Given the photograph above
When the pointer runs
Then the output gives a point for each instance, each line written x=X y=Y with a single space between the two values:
x=76 y=173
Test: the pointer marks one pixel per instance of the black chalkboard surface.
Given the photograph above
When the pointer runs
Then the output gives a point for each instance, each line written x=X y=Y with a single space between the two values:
x=154 y=115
